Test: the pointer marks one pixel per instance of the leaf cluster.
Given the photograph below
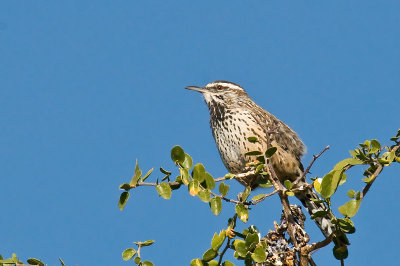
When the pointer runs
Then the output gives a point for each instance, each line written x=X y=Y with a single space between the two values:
x=133 y=254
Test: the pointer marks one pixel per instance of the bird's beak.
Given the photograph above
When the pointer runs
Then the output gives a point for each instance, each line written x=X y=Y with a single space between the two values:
x=195 y=88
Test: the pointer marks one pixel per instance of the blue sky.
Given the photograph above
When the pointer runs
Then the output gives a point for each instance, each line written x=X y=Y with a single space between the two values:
x=86 y=88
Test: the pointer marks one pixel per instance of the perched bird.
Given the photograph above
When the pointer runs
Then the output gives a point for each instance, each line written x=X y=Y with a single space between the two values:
x=234 y=117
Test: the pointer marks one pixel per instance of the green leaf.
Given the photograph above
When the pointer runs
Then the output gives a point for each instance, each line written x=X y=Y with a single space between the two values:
x=240 y=247
x=263 y=180
x=327 y=189
x=259 y=254
x=387 y=157
x=210 y=183
x=223 y=189
x=209 y=255
x=123 y=199
x=194 y=187
x=165 y=172
x=340 y=252
x=350 y=208
x=260 y=196
x=270 y=152
x=317 y=185
x=177 y=154
x=242 y=212
x=264 y=244
x=319 y=214
x=259 y=168
x=317 y=201
x=137 y=260
x=330 y=183
x=368 y=179
x=136 y=176
x=8 y=261
x=229 y=176
x=252 y=240
x=33 y=261
x=15 y=258
x=261 y=159
x=253 y=153
x=366 y=144
x=147 y=174
x=213 y=263
x=252 y=139
x=288 y=184
x=346 y=225
x=128 y=254
x=147 y=243
x=227 y=263
x=218 y=240
x=188 y=162
x=61 y=261
x=349 y=161
x=290 y=193
x=354 y=153
x=199 y=172
x=216 y=205
x=342 y=179
x=204 y=195
x=376 y=146
x=246 y=193
x=164 y=190
x=184 y=176
x=125 y=187
x=351 y=193
x=147 y=263
x=196 y=262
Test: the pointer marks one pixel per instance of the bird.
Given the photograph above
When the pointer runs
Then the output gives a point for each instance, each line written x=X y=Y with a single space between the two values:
x=234 y=117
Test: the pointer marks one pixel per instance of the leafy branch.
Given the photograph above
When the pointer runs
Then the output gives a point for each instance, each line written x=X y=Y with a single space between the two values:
x=288 y=242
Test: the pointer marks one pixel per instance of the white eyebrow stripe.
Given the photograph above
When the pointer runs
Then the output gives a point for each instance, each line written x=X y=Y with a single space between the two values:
x=225 y=84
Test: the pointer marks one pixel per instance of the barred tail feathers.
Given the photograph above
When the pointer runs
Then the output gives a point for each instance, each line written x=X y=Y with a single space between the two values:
x=324 y=223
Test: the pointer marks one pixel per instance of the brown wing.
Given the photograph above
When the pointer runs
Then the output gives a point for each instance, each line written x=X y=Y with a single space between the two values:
x=286 y=160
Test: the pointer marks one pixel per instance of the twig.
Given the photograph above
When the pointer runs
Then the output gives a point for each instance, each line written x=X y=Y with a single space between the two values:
x=226 y=199
x=155 y=184
x=375 y=175
x=315 y=157
x=219 y=179
x=368 y=186
x=224 y=250
x=320 y=244
x=234 y=218
x=241 y=175
x=263 y=198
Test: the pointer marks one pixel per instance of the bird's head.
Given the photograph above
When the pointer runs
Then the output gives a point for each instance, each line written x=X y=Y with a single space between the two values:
x=220 y=92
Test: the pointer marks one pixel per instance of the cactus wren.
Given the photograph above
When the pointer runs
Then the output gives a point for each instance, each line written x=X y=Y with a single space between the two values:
x=234 y=117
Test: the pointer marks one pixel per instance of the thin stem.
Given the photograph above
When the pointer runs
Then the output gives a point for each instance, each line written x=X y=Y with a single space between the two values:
x=375 y=175
x=228 y=244
x=315 y=157
x=320 y=244
x=263 y=198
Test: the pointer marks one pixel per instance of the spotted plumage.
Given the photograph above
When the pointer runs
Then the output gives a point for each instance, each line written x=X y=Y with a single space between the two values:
x=234 y=117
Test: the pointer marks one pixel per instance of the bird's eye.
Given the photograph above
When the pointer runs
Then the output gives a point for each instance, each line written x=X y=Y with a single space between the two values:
x=219 y=87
